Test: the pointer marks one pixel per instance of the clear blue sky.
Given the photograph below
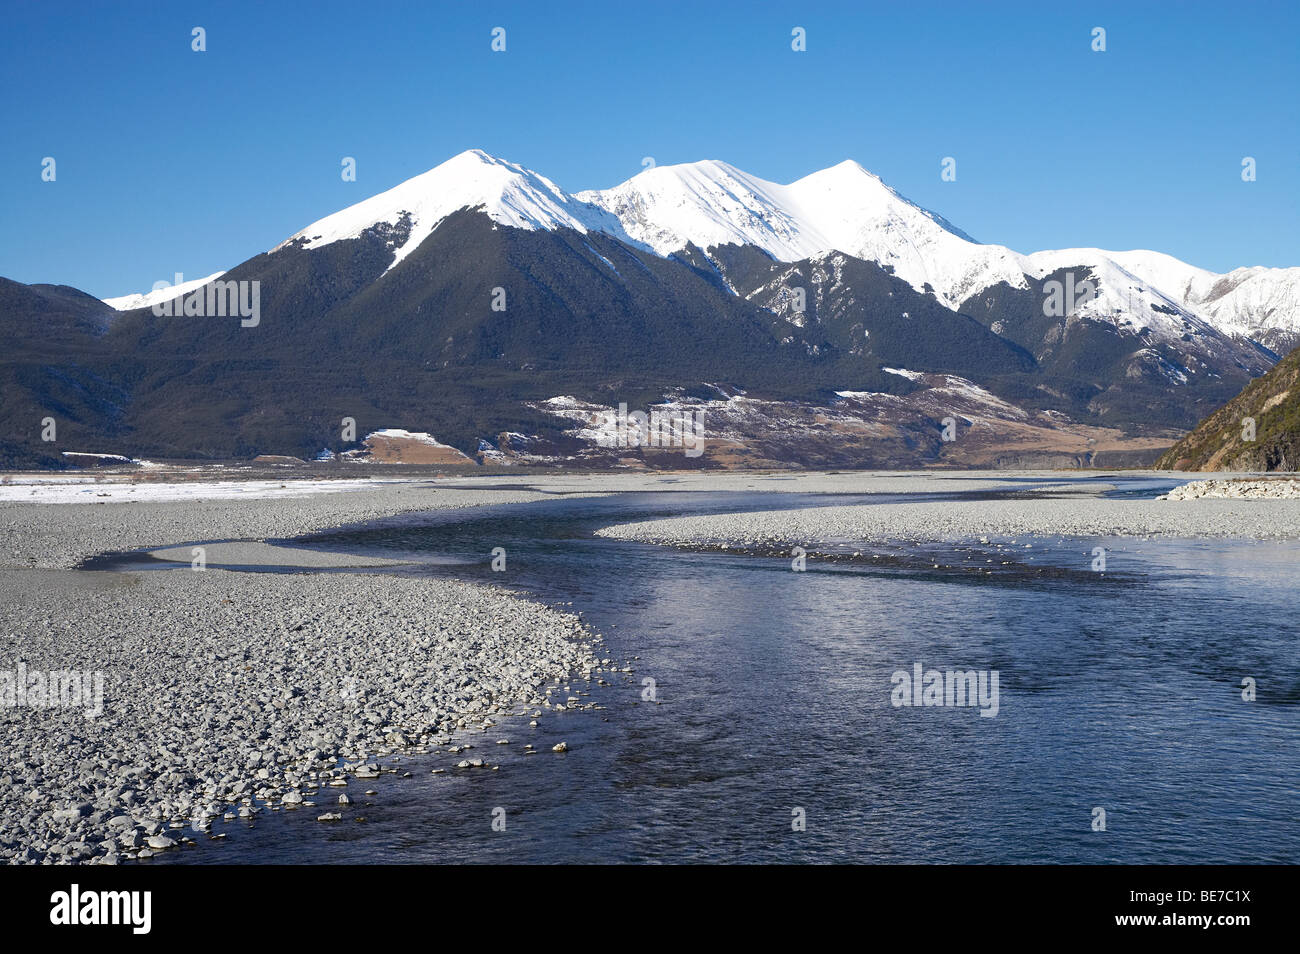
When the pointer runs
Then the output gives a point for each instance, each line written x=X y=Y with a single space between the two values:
x=175 y=161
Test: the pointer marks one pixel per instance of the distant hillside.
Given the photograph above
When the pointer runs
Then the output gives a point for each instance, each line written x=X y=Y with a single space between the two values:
x=1219 y=442
x=477 y=302
x=47 y=370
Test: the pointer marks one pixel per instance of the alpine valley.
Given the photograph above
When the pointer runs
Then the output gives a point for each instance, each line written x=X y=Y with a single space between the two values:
x=487 y=315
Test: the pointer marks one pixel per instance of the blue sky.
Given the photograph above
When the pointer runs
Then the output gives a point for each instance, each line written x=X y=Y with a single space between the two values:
x=171 y=161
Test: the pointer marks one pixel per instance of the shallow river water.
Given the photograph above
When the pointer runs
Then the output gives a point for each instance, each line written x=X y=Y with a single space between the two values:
x=774 y=690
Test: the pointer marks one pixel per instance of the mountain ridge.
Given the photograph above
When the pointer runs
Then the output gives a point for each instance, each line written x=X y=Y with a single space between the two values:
x=845 y=208
x=460 y=302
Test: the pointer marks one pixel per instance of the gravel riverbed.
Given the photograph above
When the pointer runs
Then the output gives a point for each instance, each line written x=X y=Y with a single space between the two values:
x=186 y=696
x=227 y=692
x=39 y=534
x=62 y=535
x=1077 y=515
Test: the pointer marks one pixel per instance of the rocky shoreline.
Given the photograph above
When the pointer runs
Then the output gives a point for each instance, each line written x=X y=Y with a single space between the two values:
x=187 y=697
x=227 y=694
x=1262 y=488
x=223 y=694
x=1073 y=515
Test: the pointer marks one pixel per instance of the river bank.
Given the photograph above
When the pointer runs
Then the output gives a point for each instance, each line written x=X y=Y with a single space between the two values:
x=234 y=694
x=139 y=707
x=1083 y=514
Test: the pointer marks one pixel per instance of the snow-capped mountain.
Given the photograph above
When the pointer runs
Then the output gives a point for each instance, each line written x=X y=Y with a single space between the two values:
x=709 y=203
x=1259 y=303
x=843 y=208
x=509 y=194
x=683 y=278
x=846 y=208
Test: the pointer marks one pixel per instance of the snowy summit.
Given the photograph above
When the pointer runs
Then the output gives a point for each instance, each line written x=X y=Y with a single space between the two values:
x=844 y=208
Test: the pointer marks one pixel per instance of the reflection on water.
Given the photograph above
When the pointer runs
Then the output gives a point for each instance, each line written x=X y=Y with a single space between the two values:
x=1119 y=691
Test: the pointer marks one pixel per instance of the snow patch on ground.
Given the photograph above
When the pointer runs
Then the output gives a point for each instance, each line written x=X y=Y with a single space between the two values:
x=904 y=373
x=398 y=434
x=90 y=490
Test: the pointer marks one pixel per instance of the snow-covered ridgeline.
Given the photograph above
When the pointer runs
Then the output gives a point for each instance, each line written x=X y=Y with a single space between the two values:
x=843 y=208
x=508 y=193
x=150 y=298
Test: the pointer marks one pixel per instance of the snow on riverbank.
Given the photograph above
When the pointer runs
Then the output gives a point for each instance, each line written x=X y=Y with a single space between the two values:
x=87 y=489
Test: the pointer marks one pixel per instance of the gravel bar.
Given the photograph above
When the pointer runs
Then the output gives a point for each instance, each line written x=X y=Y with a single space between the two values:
x=226 y=693
x=62 y=535
x=188 y=696
x=962 y=521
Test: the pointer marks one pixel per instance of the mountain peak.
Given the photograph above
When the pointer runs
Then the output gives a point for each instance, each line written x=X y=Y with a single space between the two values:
x=707 y=203
x=849 y=167
x=476 y=153
x=844 y=208
x=711 y=168
x=478 y=159
x=508 y=193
